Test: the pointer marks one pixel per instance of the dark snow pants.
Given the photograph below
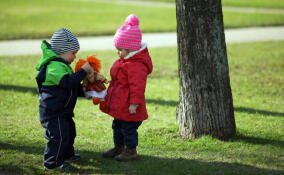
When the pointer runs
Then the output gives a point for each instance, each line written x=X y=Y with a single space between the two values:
x=125 y=133
x=60 y=133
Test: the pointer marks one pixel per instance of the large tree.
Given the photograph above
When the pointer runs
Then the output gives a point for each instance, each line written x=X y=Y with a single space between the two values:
x=205 y=101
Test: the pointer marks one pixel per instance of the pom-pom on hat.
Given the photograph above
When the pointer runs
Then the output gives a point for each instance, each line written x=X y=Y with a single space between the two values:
x=94 y=62
x=129 y=35
x=63 y=41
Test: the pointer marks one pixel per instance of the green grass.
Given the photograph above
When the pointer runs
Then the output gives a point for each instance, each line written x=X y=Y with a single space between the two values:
x=40 y=19
x=254 y=3
x=256 y=72
x=236 y=19
x=244 y=3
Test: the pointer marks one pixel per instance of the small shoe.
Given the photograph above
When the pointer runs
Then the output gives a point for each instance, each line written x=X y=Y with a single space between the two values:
x=75 y=157
x=127 y=155
x=113 y=152
x=64 y=165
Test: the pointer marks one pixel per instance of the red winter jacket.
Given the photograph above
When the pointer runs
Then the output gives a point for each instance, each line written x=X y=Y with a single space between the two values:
x=127 y=86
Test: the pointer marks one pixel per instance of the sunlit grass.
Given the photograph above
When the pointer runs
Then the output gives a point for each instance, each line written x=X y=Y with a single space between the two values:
x=256 y=71
x=244 y=3
x=40 y=19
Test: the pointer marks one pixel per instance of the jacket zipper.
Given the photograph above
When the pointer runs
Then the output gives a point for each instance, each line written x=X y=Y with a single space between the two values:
x=68 y=99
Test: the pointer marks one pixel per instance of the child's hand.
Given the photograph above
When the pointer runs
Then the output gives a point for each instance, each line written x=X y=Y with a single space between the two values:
x=102 y=78
x=88 y=69
x=132 y=108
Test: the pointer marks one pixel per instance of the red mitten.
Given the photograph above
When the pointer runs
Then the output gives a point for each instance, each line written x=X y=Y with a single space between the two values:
x=96 y=100
x=102 y=105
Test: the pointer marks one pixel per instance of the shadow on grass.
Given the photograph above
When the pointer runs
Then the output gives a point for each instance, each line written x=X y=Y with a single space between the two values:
x=153 y=101
x=162 y=102
x=237 y=109
x=22 y=148
x=93 y=163
x=257 y=140
x=19 y=88
x=258 y=111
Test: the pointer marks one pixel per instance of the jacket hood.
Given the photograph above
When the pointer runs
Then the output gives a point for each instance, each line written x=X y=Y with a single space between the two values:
x=47 y=54
x=142 y=55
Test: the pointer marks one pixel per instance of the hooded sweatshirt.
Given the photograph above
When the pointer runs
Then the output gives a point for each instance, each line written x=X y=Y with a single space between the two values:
x=60 y=87
x=128 y=85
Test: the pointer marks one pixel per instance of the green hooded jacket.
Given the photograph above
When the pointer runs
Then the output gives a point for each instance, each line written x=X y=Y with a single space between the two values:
x=55 y=69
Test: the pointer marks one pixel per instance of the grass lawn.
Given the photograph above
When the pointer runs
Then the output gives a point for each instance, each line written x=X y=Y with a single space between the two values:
x=255 y=3
x=256 y=71
x=245 y=3
x=40 y=19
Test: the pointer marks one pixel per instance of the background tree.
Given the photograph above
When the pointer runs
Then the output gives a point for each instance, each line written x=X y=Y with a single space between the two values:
x=205 y=101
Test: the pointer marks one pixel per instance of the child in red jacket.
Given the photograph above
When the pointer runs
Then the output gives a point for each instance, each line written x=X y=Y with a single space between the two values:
x=125 y=99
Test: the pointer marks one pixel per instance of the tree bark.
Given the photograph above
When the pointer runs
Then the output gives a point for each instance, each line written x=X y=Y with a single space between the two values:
x=205 y=100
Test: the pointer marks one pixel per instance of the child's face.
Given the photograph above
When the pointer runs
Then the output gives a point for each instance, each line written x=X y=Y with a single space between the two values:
x=122 y=52
x=91 y=78
x=69 y=57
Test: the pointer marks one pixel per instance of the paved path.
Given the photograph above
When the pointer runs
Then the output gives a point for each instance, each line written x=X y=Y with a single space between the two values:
x=23 y=47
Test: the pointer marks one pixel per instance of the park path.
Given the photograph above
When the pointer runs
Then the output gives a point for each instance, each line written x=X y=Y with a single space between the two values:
x=29 y=47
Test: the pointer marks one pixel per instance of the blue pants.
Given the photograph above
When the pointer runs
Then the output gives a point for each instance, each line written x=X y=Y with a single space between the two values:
x=125 y=133
x=60 y=133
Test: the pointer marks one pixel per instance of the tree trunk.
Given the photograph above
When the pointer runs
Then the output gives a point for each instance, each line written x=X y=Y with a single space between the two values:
x=205 y=101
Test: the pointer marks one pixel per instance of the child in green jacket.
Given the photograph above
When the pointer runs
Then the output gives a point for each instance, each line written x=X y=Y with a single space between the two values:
x=59 y=88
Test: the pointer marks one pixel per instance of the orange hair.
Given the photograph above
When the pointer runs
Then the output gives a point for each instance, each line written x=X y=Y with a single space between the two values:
x=94 y=62
x=79 y=64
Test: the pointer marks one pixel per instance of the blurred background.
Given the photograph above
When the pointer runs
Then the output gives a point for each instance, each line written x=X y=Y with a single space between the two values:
x=40 y=18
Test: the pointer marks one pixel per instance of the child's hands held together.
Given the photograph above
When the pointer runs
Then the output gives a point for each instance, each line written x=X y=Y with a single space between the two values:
x=132 y=108
x=90 y=71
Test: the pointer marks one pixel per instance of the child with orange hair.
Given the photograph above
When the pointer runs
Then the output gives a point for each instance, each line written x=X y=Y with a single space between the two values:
x=93 y=84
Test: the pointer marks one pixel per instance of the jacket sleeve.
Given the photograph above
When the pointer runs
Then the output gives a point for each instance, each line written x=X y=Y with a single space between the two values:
x=137 y=76
x=80 y=91
x=72 y=80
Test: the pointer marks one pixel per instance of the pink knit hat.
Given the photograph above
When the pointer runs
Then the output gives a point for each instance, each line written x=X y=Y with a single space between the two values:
x=129 y=35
